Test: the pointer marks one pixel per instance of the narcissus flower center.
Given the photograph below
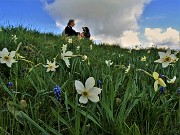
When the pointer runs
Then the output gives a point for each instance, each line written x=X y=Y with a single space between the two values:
x=167 y=59
x=6 y=58
x=50 y=66
x=85 y=93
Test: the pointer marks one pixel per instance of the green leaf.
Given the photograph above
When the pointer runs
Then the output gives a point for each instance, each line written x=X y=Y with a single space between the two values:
x=107 y=110
x=33 y=123
x=85 y=114
x=61 y=119
x=52 y=130
x=17 y=114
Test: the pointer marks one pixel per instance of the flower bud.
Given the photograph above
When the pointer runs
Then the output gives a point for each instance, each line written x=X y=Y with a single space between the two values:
x=118 y=101
x=23 y=104
x=85 y=58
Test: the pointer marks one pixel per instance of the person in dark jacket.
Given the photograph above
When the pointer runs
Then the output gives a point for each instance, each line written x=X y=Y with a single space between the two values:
x=69 y=29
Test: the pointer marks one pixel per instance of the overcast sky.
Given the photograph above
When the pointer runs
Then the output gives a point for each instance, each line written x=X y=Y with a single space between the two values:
x=126 y=22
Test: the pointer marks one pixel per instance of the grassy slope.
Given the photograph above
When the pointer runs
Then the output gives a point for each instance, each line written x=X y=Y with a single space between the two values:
x=139 y=111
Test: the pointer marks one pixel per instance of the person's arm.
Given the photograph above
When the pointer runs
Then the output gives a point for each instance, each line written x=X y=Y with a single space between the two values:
x=71 y=32
x=75 y=33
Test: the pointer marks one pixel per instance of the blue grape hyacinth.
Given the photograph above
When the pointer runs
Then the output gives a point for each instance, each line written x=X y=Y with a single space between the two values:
x=99 y=82
x=10 y=84
x=57 y=92
x=161 y=76
x=178 y=91
x=162 y=90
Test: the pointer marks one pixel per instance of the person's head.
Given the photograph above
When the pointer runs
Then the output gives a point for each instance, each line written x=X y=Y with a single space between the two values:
x=85 y=29
x=71 y=23
x=86 y=32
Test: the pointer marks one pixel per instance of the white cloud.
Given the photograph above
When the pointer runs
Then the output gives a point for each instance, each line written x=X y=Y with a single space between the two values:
x=111 y=21
x=130 y=38
x=59 y=25
x=170 y=37
x=108 y=20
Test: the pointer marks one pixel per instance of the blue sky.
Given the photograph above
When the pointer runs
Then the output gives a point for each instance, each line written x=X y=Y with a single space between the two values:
x=32 y=13
x=161 y=14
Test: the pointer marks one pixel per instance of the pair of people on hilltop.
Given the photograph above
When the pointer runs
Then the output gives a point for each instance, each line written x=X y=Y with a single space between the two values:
x=69 y=31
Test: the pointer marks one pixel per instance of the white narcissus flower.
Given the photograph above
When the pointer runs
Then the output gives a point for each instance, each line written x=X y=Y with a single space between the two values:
x=172 y=80
x=51 y=66
x=128 y=68
x=137 y=48
x=108 y=62
x=176 y=52
x=7 y=57
x=78 y=47
x=129 y=50
x=148 y=51
x=165 y=58
x=143 y=58
x=88 y=92
x=175 y=59
x=84 y=58
x=121 y=55
x=14 y=37
x=158 y=81
x=70 y=40
x=66 y=55
x=91 y=47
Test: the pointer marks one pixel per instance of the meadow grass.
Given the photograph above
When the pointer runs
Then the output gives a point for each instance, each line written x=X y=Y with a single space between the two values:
x=128 y=103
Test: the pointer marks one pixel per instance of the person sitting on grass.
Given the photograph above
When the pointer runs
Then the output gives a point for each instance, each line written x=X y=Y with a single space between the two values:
x=69 y=29
x=85 y=33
